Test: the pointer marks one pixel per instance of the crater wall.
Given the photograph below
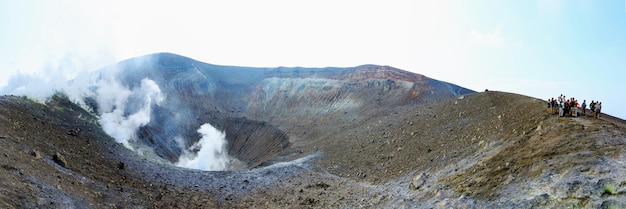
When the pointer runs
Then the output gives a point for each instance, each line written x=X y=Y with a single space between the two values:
x=263 y=111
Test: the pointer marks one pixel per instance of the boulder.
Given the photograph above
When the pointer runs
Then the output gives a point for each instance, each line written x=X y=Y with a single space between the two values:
x=35 y=153
x=59 y=159
x=418 y=181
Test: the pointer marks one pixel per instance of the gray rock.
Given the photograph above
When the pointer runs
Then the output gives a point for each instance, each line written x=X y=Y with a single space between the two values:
x=418 y=181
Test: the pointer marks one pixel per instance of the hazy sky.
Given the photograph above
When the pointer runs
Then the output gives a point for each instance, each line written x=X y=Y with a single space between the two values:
x=538 y=48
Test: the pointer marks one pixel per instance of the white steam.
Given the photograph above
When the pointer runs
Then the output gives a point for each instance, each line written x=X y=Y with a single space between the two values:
x=117 y=117
x=122 y=109
x=209 y=153
x=42 y=85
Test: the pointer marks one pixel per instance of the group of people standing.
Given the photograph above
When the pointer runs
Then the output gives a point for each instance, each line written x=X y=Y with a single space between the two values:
x=569 y=107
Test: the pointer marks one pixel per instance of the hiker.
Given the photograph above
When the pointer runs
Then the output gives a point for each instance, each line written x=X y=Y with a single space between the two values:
x=571 y=107
x=598 y=109
x=561 y=110
x=550 y=105
x=575 y=108
x=566 y=108
x=592 y=106
x=584 y=106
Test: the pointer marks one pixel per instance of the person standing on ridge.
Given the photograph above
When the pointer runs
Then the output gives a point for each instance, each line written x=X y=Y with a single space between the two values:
x=561 y=108
x=567 y=107
x=598 y=109
x=575 y=108
x=592 y=106
x=584 y=106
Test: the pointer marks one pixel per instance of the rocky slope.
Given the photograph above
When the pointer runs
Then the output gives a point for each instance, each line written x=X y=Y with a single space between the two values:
x=367 y=136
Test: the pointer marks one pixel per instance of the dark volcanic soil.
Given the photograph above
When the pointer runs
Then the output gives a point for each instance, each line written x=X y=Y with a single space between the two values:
x=484 y=150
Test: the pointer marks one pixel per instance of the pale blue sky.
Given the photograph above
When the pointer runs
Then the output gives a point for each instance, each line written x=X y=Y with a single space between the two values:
x=539 y=48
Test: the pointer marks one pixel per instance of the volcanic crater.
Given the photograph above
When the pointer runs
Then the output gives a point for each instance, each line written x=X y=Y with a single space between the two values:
x=366 y=136
x=265 y=110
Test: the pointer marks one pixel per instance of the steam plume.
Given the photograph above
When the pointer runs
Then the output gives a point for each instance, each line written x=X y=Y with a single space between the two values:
x=124 y=111
x=209 y=153
x=123 y=108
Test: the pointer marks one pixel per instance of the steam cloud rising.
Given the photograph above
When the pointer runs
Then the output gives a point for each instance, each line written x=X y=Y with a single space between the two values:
x=209 y=153
x=123 y=111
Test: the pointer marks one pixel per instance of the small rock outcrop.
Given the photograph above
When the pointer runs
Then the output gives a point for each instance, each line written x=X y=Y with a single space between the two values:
x=35 y=153
x=73 y=132
x=418 y=181
x=60 y=159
